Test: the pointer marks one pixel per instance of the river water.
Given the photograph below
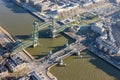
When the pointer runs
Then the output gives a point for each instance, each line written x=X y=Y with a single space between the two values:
x=19 y=23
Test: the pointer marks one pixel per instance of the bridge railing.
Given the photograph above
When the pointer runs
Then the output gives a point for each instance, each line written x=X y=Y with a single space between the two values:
x=21 y=46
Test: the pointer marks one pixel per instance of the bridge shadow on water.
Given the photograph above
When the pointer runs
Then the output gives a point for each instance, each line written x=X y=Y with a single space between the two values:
x=44 y=33
x=82 y=56
x=70 y=40
x=57 y=48
x=13 y=7
x=100 y=64
x=23 y=37
x=39 y=56
x=104 y=66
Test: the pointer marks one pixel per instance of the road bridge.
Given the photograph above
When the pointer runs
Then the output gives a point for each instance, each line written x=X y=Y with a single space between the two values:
x=42 y=66
x=22 y=46
x=51 y=59
x=33 y=41
x=55 y=29
x=47 y=62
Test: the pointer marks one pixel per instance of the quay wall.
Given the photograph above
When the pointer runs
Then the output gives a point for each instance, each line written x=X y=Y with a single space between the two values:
x=7 y=34
x=105 y=58
x=32 y=11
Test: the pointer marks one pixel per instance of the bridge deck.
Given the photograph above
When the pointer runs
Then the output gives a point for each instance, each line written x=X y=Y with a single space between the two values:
x=7 y=42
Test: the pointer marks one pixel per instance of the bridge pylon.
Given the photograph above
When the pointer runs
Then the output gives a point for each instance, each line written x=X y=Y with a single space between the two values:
x=52 y=32
x=35 y=33
x=52 y=28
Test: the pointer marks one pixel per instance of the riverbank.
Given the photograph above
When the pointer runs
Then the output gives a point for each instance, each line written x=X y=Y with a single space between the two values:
x=31 y=10
x=90 y=67
x=48 y=44
x=104 y=56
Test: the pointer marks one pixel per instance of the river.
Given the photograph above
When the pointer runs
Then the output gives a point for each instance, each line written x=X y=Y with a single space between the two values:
x=19 y=24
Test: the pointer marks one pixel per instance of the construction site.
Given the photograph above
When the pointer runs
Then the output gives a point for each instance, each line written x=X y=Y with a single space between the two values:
x=101 y=17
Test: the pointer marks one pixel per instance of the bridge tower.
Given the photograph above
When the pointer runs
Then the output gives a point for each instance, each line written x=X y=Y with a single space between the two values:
x=52 y=28
x=35 y=33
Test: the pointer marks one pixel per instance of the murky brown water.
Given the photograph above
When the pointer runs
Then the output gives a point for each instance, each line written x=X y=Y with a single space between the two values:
x=19 y=23
x=89 y=67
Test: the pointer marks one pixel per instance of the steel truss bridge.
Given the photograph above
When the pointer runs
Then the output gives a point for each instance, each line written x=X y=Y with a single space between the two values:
x=55 y=29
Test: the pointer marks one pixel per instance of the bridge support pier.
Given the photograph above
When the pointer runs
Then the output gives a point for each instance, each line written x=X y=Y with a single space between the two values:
x=35 y=43
x=52 y=32
x=61 y=62
x=53 y=35
x=78 y=53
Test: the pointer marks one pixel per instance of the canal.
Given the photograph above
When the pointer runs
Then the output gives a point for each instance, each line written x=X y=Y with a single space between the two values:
x=19 y=23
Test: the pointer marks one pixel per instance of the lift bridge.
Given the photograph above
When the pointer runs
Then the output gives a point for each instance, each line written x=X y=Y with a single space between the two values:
x=33 y=41
x=76 y=21
x=54 y=31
